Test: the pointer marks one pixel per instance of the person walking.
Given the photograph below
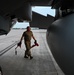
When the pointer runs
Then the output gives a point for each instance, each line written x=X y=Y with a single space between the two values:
x=27 y=35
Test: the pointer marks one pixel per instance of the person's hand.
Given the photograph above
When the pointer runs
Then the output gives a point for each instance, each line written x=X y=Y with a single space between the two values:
x=36 y=43
x=19 y=44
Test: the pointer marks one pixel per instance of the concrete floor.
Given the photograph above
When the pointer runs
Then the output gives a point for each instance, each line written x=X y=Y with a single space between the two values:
x=42 y=63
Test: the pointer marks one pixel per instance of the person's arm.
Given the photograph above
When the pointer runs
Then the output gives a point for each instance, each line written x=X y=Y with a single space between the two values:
x=35 y=42
x=33 y=37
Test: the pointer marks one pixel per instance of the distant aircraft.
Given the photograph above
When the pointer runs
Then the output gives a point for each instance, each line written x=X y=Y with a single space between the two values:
x=60 y=29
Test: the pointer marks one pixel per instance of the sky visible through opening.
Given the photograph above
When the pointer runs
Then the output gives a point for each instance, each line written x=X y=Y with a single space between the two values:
x=41 y=10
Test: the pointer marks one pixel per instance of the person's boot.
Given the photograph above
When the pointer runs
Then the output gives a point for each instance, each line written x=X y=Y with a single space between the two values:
x=25 y=56
x=31 y=57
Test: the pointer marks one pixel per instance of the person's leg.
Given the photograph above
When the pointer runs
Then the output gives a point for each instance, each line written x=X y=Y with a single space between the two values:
x=25 y=55
x=29 y=54
x=28 y=51
x=27 y=45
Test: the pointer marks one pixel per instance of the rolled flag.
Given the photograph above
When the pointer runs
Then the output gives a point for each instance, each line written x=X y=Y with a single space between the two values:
x=35 y=44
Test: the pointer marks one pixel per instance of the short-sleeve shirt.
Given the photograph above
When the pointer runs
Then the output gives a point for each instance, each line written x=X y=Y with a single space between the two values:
x=27 y=35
